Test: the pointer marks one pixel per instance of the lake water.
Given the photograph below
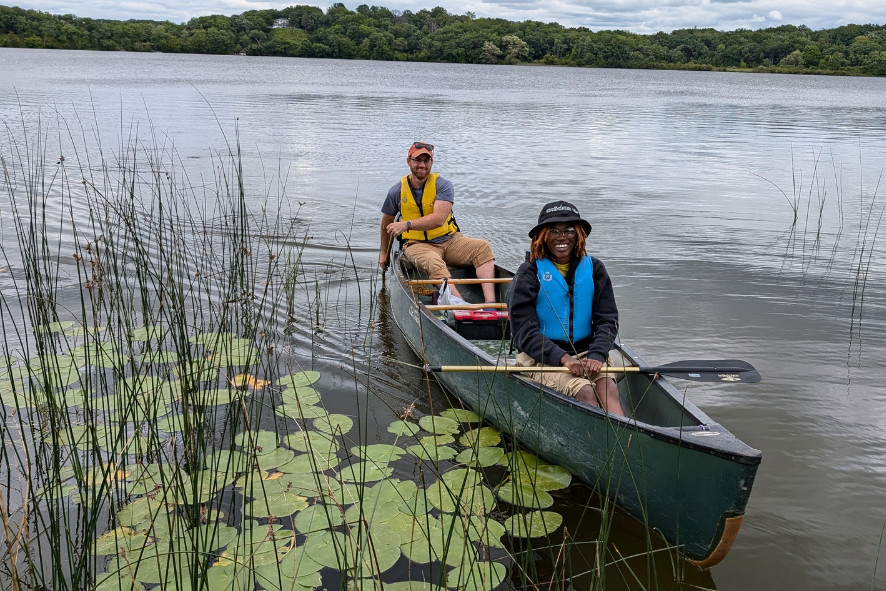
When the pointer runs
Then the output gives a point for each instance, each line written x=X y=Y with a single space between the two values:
x=690 y=180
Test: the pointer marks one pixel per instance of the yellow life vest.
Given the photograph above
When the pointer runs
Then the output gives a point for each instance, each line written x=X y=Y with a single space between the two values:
x=409 y=210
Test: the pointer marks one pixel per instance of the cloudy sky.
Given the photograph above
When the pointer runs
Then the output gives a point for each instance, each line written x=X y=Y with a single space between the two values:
x=639 y=16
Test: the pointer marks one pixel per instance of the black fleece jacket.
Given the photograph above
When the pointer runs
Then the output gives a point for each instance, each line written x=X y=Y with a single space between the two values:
x=525 y=333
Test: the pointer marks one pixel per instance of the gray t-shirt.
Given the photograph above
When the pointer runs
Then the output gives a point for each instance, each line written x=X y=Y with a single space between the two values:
x=445 y=192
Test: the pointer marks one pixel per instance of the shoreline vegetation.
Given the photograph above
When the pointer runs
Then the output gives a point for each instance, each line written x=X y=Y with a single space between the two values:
x=377 y=33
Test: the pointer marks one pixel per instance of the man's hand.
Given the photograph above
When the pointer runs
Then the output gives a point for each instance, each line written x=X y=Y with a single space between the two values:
x=383 y=261
x=396 y=228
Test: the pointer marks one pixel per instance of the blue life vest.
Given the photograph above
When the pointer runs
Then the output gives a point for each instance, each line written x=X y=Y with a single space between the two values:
x=565 y=315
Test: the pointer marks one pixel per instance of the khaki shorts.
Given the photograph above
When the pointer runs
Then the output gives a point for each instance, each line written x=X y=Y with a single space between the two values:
x=564 y=381
x=458 y=250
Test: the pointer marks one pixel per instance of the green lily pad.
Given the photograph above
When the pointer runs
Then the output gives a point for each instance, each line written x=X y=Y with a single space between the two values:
x=319 y=517
x=275 y=505
x=309 y=464
x=439 y=425
x=476 y=528
x=372 y=513
x=365 y=472
x=461 y=415
x=483 y=437
x=479 y=576
x=148 y=332
x=298 y=571
x=534 y=524
x=295 y=411
x=403 y=428
x=523 y=495
x=302 y=395
x=261 y=442
x=302 y=378
x=482 y=457
x=199 y=370
x=378 y=452
x=334 y=424
x=118 y=581
x=160 y=357
x=55 y=326
x=431 y=453
x=121 y=538
x=319 y=442
x=545 y=476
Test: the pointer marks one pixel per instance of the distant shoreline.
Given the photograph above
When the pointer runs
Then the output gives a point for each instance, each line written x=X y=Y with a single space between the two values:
x=376 y=33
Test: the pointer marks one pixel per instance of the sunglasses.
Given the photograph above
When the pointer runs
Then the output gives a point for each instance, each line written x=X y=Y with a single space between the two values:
x=421 y=146
x=565 y=232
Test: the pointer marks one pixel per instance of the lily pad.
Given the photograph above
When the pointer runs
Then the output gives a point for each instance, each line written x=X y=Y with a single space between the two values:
x=403 y=428
x=523 y=495
x=482 y=457
x=461 y=415
x=55 y=326
x=439 y=425
x=121 y=538
x=534 y=524
x=334 y=424
x=302 y=378
x=295 y=411
x=148 y=332
x=319 y=517
x=302 y=395
x=378 y=452
x=261 y=442
x=429 y=452
x=545 y=476
x=478 y=576
x=483 y=437
x=365 y=472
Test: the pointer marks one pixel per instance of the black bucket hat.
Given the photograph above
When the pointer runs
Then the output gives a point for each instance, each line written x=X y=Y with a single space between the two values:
x=558 y=212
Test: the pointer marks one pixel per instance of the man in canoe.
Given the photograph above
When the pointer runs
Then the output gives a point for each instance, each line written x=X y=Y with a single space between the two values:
x=562 y=309
x=432 y=241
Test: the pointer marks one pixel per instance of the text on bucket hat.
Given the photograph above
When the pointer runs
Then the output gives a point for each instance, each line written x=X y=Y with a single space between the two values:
x=558 y=212
x=419 y=148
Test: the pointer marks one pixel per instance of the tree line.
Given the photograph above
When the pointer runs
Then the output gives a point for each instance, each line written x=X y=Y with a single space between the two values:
x=373 y=32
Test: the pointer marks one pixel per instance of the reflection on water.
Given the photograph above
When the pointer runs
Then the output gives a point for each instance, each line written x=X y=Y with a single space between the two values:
x=690 y=179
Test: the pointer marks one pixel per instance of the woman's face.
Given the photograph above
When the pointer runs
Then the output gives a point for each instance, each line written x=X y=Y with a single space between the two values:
x=560 y=242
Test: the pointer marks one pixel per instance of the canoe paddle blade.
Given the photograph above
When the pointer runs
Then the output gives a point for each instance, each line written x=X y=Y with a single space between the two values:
x=721 y=370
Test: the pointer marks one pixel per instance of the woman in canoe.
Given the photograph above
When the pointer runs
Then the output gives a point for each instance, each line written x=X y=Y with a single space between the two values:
x=563 y=311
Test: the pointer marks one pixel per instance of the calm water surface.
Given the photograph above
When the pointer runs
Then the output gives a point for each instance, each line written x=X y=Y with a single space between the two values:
x=690 y=180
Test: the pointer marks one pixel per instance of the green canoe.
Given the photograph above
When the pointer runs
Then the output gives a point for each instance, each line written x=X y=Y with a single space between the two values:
x=668 y=464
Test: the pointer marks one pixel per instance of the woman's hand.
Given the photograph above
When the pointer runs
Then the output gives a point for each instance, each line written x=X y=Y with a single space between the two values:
x=581 y=367
x=575 y=366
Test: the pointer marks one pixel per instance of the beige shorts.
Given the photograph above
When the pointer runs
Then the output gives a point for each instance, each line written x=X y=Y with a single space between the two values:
x=458 y=250
x=564 y=381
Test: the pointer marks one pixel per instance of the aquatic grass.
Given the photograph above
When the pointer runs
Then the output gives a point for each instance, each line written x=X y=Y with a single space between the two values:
x=165 y=436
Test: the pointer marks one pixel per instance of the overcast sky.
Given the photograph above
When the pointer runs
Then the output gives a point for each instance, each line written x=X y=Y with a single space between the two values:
x=638 y=16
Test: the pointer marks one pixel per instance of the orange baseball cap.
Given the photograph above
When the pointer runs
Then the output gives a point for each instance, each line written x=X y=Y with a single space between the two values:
x=419 y=148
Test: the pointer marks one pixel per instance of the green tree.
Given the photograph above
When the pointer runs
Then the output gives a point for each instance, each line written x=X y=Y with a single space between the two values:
x=490 y=53
x=514 y=48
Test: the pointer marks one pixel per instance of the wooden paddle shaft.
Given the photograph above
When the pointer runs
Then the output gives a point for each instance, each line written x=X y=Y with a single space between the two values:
x=520 y=368
x=458 y=281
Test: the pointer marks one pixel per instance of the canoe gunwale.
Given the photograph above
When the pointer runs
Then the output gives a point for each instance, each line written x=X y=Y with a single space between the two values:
x=737 y=450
